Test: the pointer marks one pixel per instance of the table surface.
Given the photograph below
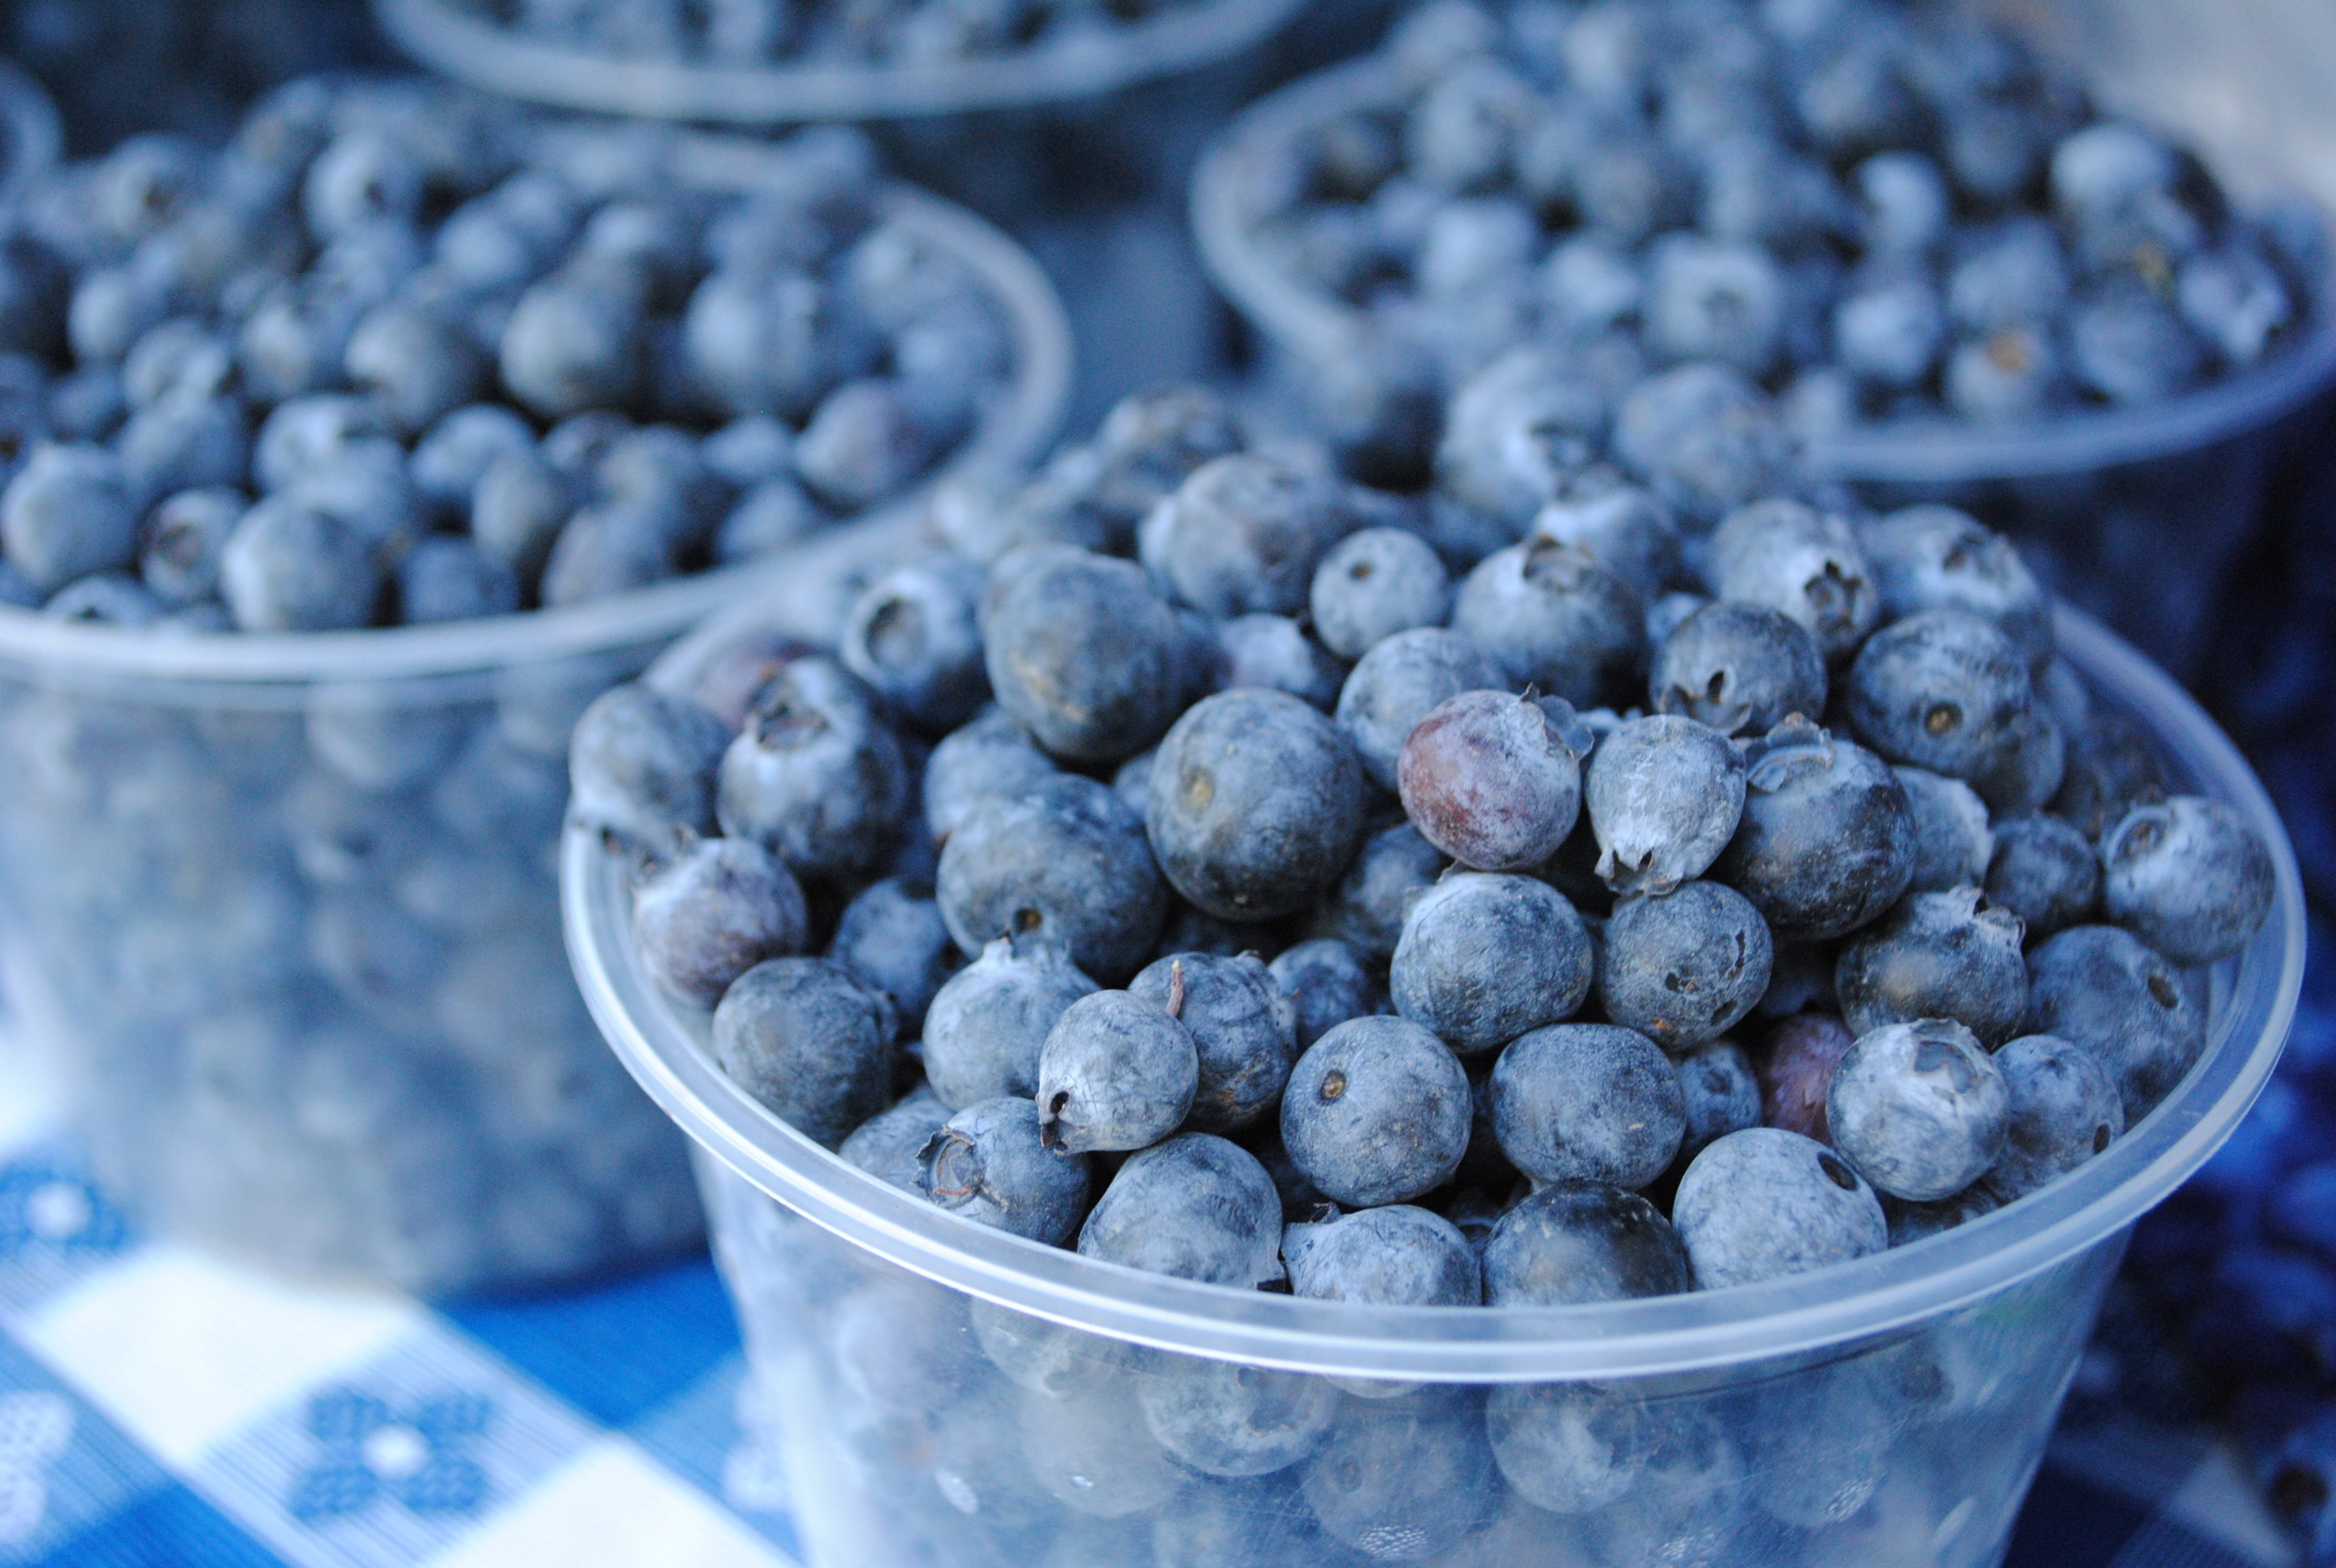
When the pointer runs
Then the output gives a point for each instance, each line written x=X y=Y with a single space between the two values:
x=160 y=1408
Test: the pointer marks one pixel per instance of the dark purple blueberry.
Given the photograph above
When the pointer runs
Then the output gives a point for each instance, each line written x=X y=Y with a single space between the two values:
x=1240 y=1025
x=2065 y=1109
x=1920 y=1109
x=1721 y=1091
x=1489 y=780
x=720 y=907
x=1484 y=958
x=1797 y=1071
x=1686 y=966
x=1594 y=1102
x=1368 y=908
x=2189 y=877
x=1950 y=955
x=1740 y=669
x=1256 y=805
x=1115 y=1073
x=1943 y=690
x=1378 y=1111
x=1826 y=842
x=1083 y=654
x=990 y=1163
x=891 y=935
x=813 y=1042
x=1067 y=859
x=2046 y=872
x=1764 y=1202
x=1578 y=1241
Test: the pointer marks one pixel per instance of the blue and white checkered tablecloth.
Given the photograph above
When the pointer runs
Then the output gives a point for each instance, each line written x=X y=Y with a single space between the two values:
x=158 y=1409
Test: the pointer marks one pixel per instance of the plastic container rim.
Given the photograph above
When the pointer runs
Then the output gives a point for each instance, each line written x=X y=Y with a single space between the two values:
x=2255 y=995
x=1015 y=428
x=35 y=138
x=493 y=58
x=1316 y=325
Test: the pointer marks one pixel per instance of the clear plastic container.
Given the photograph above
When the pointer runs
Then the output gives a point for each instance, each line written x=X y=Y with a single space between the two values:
x=1081 y=61
x=2134 y=514
x=946 y=1396
x=278 y=911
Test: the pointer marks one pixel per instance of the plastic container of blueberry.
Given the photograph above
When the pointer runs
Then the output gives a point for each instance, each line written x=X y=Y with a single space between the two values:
x=944 y=1392
x=1082 y=57
x=278 y=906
x=2182 y=457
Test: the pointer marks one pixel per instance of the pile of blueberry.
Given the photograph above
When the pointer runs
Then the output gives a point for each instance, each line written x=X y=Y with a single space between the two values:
x=1648 y=910
x=392 y=355
x=1881 y=211
x=735 y=33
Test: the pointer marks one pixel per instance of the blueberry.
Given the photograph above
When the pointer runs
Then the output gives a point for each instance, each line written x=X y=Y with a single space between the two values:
x=2128 y=347
x=1377 y=1112
x=1115 y=1072
x=1569 y=1448
x=1763 y=1203
x=1548 y=616
x=772 y=515
x=912 y=637
x=1906 y=202
x=1953 y=842
x=990 y=1163
x=1256 y=804
x=452 y=459
x=816 y=777
x=1685 y=967
x=445 y=578
x=2100 y=988
x=1222 y=1419
x=1826 y=842
x=1946 y=955
x=1711 y=300
x=986 y=1023
x=1067 y=858
x=1590 y=1102
x=1239 y=1024
x=1578 y=1241
x=1942 y=690
x=988 y=757
x=2189 y=877
x=574 y=342
x=1664 y=795
x=1740 y=669
x=1093 y=1453
x=1397 y=683
x=419 y=364
x=68 y=512
x=1261 y=1523
x=811 y=1041
x=287 y=568
x=1911 y=1222
x=1194 y=1207
x=518 y=508
x=1367 y=909
x=1802 y=564
x=611 y=548
x=2065 y=1109
x=1484 y=958
x=1920 y=1109
x=1888 y=329
x=1625 y=529
x=1325 y=982
x=1488 y=780
x=1244 y=534
x=892 y=936
x=1514 y=433
x=1373 y=584
x=2013 y=273
x=1274 y=653
x=1704 y=439
x=1042 y=1357
x=2110 y=767
x=105 y=599
x=863 y=445
x=2235 y=299
x=1936 y=557
x=1409 y=1482
x=718 y=908
x=2012 y=374
x=1721 y=1092
x=2044 y=872
x=889 y=1146
x=1393 y=1256
x=641 y=765
x=1083 y=654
